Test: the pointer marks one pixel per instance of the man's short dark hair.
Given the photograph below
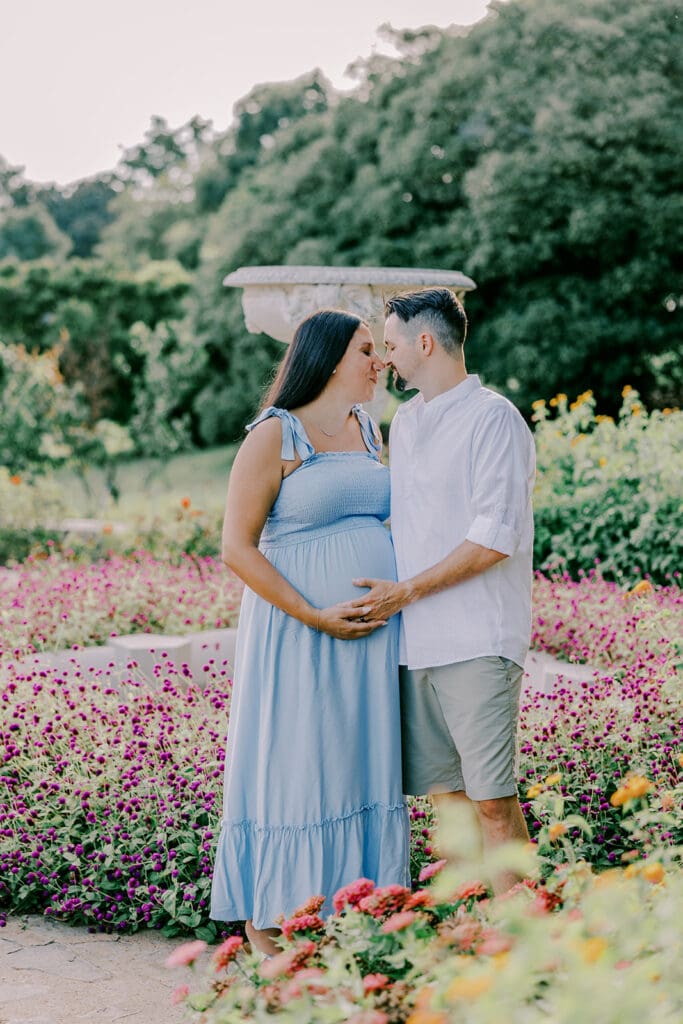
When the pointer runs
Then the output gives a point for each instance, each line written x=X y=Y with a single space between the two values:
x=438 y=311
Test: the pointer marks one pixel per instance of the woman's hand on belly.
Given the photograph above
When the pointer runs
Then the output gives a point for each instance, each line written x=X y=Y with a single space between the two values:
x=345 y=623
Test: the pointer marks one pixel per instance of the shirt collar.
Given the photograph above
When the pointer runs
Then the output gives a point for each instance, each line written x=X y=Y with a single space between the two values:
x=454 y=395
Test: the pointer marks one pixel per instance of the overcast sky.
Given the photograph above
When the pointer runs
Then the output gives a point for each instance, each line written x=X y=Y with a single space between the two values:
x=79 y=79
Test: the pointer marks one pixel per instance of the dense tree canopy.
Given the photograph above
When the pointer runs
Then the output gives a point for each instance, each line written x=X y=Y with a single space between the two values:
x=539 y=152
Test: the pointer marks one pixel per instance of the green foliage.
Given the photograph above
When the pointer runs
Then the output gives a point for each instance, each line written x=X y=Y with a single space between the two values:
x=82 y=211
x=88 y=309
x=536 y=151
x=608 y=491
x=171 y=362
x=39 y=413
x=30 y=233
x=30 y=510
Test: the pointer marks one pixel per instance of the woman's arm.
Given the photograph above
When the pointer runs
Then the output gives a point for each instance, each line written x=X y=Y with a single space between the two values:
x=255 y=481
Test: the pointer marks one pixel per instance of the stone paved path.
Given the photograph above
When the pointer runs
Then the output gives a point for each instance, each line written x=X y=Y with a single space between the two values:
x=53 y=973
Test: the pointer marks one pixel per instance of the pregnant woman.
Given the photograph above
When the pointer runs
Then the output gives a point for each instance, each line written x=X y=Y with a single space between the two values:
x=312 y=796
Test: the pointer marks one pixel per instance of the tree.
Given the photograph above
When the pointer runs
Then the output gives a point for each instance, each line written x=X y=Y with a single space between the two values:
x=539 y=152
x=82 y=211
x=30 y=233
x=88 y=310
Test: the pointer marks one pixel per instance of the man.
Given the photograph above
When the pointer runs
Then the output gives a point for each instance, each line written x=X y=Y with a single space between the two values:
x=462 y=474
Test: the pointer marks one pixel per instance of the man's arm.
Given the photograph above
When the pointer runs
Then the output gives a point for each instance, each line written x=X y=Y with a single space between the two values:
x=503 y=474
x=386 y=598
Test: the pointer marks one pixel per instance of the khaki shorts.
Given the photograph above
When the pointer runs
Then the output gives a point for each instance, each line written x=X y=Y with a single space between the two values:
x=459 y=728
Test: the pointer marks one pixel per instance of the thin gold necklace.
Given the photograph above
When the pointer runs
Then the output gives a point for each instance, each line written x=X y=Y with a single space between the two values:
x=326 y=432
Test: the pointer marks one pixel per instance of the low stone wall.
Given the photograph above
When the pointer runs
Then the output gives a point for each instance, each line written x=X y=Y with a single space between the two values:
x=140 y=652
x=209 y=651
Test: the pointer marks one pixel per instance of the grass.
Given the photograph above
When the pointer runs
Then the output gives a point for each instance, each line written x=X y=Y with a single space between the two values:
x=200 y=475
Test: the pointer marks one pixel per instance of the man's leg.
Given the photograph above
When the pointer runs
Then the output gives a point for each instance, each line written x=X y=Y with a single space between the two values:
x=502 y=821
x=460 y=798
x=480 y=701
x=430 y=760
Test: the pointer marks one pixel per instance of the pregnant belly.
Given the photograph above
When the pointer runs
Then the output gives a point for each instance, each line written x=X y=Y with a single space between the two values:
x=322 y=568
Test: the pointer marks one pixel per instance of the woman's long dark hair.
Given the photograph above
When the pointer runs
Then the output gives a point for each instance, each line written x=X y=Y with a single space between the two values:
x=319 y=343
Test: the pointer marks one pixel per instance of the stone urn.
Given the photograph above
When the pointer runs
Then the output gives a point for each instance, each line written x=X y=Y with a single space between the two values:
x=277 y=298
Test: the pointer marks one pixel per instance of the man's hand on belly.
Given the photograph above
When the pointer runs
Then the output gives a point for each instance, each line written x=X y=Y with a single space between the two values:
x=384 y=599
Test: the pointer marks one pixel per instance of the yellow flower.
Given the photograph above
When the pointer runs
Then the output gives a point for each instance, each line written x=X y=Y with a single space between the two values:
x=575 y=440
x=592 y=949
x=643 y=587
x=581 y=399
x=468 y=988
x=607 y=878
x=666 y=412
x=654 y=872
x=538 y=404
x=637 y=786
x=427 y=1017
x=636 y=410
x=556 y=830
x=16 y=479
x=633 y=788
x=553 y=779
x=603 y=419
x=602 y=461
x=626 y=390
x=632 y=870
x=534 y=791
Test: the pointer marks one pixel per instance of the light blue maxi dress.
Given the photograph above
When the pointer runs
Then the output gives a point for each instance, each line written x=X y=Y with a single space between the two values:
x=312 y=795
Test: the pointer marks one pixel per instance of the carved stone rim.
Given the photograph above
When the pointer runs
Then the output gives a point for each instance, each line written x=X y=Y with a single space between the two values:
x=377 y=276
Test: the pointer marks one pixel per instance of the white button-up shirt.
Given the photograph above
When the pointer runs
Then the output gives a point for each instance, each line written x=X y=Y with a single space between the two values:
x=462 y=468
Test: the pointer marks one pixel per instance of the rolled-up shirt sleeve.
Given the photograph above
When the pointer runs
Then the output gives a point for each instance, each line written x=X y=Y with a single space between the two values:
x=503 y=470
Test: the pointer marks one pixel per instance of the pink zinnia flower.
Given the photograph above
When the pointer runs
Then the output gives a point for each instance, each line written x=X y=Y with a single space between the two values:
x=185 y=955
x=290 y=990
x=287 y=962
x=305 y=923
x=387 y=900
x=420 y=898
x=352 y=894
x=465 y=935
x=311 y=906
x=397 y=922
x=180 y=994
x=374 y=982
x=468 y=889
x=227 y=952
x=311 y=977
x=493 y=942
x=429 y=870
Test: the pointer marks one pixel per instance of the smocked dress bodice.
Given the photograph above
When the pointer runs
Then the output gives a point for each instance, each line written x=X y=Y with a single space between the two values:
x=330 y=490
